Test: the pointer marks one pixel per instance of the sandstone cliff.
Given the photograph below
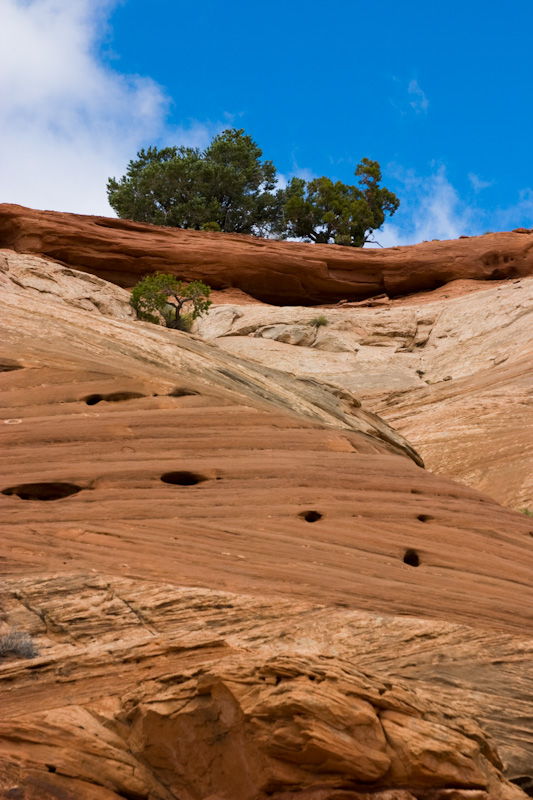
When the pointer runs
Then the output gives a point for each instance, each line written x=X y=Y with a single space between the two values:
x=242 y=585
x=451 y=370
x=276 y=272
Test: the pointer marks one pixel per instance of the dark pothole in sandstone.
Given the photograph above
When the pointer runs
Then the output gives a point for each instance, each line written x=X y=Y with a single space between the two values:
x=114 y=397
x=525 y=782
x=310 y=516
x=411 y=558
x=182 y=478
x=181 y=391
x=8 y=365
x=43 y=491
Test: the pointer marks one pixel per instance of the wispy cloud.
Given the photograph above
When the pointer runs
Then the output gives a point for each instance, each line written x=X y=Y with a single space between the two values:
x=432 y=208
x=68 y=120
x=478 y=184
x=419 y=102
x=407 y=97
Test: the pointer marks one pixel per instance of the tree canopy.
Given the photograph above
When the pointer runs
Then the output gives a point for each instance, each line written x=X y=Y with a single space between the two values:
x=229 y=187
x=325 y=212
x=163 y=297
x=226 y=187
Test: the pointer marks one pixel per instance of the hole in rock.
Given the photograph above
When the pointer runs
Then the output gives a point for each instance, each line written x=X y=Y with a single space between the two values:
x=118 y=397
x=50 y=768
x=425 y=517
x=525 y=782
x=132 y=796
x=114 y=397
x=180 y=391
x=9 y=366
x=93 y=399
x=411 y=558
x=183 y=478
x=416 y=491
x=43 y=491
x=310 y=516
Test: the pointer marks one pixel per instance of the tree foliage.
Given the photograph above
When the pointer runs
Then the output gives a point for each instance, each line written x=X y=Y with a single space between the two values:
x=325 y=212
x=229 y=187
x=163 y=297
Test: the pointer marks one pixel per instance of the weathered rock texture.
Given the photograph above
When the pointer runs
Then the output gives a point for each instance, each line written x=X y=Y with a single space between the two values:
x=453 y=373
x=146 y=690
x=139 y=461
x=110 y=407
x=276 y=272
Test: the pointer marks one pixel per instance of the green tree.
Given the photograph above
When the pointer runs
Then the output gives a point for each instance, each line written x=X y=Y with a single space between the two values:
x=164 y=187
x=241 y=183
x=228 y=184
x=322 y=211
x=164 y=297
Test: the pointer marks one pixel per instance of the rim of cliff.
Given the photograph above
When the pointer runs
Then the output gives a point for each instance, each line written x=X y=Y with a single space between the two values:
x=280 y=273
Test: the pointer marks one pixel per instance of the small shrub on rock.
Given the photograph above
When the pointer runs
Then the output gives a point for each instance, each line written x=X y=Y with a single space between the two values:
x=18 y=644
x=319 y=322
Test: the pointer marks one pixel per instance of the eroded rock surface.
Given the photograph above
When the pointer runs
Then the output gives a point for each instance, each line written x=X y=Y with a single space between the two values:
x=453 y=374
x=147 y=690
x=241 y=584
x=276 y=272
x=123 y=440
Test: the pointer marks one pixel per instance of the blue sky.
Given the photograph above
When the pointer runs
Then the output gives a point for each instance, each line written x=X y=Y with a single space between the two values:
x=439 y=93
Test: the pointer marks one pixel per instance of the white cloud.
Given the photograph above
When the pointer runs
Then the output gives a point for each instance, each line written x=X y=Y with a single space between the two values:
x=478 y=184
x=68 y=121
x=194 y=134
x=419 y=102
x=430 y=209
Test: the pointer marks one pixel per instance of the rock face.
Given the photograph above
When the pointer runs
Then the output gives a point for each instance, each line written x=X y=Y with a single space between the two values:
x=147 y=690
x=242 y=585
x=275 y=272
x=166 y=453
x=453 y=373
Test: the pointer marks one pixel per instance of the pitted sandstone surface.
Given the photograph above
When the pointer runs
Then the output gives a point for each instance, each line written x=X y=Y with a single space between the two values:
x=212 y=557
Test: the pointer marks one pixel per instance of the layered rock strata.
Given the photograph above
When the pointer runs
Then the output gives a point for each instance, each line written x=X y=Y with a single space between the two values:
x=452 y=372
x=214 y=559
x=276 y=272
x=146 y=690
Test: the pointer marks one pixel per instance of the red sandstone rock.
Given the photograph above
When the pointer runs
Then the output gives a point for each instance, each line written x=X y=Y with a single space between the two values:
x=276 y=272
x=452 y=370
x=140 y=463
x=149 y=690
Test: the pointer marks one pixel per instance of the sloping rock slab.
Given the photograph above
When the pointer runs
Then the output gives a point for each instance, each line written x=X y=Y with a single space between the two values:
x=152 y=452
x=452 y=374
x=135 y=456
